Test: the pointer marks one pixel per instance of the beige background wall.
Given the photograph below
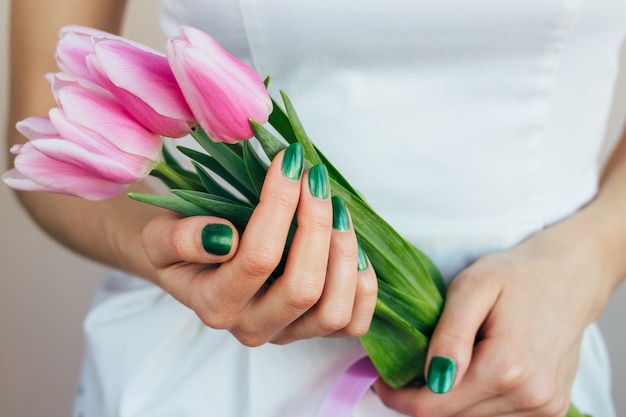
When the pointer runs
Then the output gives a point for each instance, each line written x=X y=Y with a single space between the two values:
x=45 y=290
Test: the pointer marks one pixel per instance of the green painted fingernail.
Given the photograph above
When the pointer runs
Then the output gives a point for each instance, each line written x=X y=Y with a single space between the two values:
x=441 y=374
x=341 y=220
x=363 y=264
x=217 y=239
x=293 y=161
x=318 y=182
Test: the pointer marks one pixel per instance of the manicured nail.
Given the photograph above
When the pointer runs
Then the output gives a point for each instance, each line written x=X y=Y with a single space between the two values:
x=341 y=220
x=363 y=264
x=441 y=374
x=217 y=239
x=293 y=161
x=318 y=182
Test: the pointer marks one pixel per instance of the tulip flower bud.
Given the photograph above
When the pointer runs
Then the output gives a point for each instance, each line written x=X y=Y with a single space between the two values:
x=88 y=147
x=223 y=92
x=143 y=83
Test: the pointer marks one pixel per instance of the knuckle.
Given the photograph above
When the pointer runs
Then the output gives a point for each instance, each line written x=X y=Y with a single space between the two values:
x=284 y=200
x=301 y=297
x=261 y=263
x=357 y=328
x=334 y=321
x=319 y=224
x=250 y=339
x=368 y=288
x=535 y=396
x=178 y=238
x=418 y=410
x=511 y=373
x=218 y=321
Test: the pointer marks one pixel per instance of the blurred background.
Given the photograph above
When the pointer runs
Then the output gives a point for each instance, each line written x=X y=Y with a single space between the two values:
x=45 y=290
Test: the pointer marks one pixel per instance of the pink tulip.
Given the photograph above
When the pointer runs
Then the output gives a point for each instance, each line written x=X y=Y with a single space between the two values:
x=88 y=147
x=141 y=80
x=223 y=92
x=138 y=76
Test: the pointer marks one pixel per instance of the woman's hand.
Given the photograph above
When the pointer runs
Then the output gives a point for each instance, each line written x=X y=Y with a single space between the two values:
x=202 y=262
x=509 y=337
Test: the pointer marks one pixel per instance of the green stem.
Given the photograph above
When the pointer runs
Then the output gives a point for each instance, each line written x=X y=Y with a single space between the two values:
x=173 y=176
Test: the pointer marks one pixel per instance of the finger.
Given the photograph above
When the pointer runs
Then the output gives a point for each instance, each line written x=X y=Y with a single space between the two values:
x=468 y=303
x=529 y=393
x=262 y=243
x=334 y=310
x=365 y=299
x=169 y=239
x=302 y=284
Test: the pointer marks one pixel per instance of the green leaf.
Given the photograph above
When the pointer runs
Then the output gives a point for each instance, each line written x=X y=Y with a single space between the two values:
x=338 y=177
x=391 y=333
x=170 y=159
x=226 y=157
x=309 y=150
x=256 y=167
x=214 y=187
x=279 y=121
x=271 y=144
x=218 y=206
x=183 y=207
x=392 y=257
x=418 y=313
x=213 y=165
x=573 y=412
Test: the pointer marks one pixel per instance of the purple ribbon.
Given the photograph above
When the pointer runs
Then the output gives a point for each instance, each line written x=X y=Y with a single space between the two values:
x=349 y=388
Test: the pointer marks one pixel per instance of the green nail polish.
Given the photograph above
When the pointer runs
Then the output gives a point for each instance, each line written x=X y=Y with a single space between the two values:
x=217 y=239
x=363 y=264
x=318 y=182
x=441 y=374
x=341 y=220
x=293 y=161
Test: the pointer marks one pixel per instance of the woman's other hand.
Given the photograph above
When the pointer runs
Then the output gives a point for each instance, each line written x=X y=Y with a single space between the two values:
x=509 y=337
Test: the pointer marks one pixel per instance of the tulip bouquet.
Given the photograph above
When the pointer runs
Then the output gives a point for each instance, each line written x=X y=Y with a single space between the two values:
x=116 y=99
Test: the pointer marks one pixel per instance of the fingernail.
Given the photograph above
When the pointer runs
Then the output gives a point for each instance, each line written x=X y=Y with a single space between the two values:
x=318 y=182
x=293 y=161
x=217 y=239
x=441 y=374
x=341 y=220
x=363 y=264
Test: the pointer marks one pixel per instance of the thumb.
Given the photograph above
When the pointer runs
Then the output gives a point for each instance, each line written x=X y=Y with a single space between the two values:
x=169 y=239
x=451 y=345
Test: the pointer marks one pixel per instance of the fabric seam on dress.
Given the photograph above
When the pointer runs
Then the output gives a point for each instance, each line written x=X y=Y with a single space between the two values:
x=245 y=24
x=560 y=38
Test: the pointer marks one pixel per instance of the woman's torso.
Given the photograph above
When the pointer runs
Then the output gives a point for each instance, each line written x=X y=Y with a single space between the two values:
x=467 y=125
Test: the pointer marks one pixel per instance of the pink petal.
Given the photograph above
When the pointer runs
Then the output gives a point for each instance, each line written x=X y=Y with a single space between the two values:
x=146 y=74
x=223 y=98
x=61 y=177
x=105 y=116
x=149 y=96
x=36 y=127
x=18 y=181
x=71 y=51
x=223 y=92
x=61 y=80
x=99 y=165
x=84 y=31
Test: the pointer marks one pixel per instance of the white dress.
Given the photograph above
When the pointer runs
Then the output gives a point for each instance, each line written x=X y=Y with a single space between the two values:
x=467 y=125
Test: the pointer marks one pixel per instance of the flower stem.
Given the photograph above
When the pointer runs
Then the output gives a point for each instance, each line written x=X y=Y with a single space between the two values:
x=173 y=176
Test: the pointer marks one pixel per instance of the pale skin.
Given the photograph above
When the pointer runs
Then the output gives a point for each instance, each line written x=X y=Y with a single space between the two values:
x=526 y=356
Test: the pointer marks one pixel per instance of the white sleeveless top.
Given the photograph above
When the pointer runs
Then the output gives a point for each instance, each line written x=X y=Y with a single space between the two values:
x=467 y=125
